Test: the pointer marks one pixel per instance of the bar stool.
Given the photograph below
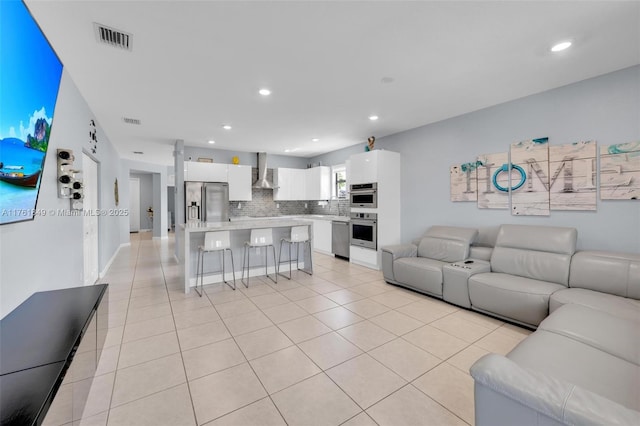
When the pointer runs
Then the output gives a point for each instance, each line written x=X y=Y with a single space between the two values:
x=299 y=234
x=259 y=238
x=214 y=241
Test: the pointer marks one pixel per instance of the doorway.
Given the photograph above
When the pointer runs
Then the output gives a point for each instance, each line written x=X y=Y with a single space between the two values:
x=90 y=221
x=134 y=205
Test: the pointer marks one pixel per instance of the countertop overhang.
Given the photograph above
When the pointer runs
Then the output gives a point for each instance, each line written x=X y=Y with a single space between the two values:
x=244 y=224
x=327 y=217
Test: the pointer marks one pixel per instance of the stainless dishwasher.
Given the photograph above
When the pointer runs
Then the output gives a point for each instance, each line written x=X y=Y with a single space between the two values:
x=340 y=239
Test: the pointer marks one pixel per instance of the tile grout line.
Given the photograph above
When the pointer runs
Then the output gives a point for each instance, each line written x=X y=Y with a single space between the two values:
x=297 y=344
x=252 y=369
x=115 y=376
x=184 y=368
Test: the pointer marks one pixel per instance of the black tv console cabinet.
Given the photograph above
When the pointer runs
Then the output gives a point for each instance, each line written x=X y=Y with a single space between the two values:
x=38 y=342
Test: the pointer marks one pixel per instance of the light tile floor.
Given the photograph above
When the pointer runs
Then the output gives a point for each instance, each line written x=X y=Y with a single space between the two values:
x=339 y=347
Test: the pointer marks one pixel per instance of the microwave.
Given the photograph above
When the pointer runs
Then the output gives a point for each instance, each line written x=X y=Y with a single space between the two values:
x=364 y=195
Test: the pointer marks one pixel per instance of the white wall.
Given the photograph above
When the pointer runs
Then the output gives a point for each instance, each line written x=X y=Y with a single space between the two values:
x=605 y=109
x=46 y=253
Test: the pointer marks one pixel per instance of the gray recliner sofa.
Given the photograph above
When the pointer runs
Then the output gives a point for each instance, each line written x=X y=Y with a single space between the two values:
x=528 y=264
x=602 y=280
x=419 y=266
x=582 y=364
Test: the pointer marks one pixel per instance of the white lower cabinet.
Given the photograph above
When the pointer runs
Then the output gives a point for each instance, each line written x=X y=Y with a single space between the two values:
x=322 y=236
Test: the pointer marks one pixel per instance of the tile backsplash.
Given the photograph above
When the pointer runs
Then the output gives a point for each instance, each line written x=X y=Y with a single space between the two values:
x=333 y=207
x=262 y=204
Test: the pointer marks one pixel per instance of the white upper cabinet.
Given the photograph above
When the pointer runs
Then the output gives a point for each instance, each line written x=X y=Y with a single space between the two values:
x=298 y=187
x=290 y=184
x=239 y=182
x=205 y=172
x=364 y=168
x=318 y=185
x=302 y=184
x=281 y=181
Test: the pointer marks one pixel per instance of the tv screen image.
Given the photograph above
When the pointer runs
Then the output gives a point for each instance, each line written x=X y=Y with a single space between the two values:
x=29 y=83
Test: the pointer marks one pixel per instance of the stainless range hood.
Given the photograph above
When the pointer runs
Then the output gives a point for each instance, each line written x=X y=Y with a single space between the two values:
x=262 y=182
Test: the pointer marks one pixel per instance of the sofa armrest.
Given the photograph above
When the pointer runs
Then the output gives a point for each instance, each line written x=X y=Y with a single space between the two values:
x=523 y=393
x=401 y=250
x=391 y=254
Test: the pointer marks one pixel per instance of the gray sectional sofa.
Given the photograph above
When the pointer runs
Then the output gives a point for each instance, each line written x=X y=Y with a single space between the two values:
x=582 y=364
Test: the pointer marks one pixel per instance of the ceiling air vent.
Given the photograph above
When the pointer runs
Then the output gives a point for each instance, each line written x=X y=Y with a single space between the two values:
x=134 y=121
x=113 y=37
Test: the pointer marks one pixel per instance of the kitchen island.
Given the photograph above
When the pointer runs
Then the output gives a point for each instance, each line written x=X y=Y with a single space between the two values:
x=239 y=234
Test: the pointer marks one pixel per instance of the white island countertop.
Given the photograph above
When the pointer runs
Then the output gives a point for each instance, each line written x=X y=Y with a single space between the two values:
x=249 y=223
x=327 y=217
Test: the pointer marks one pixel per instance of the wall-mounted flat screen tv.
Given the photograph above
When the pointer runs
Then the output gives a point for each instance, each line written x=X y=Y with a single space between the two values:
x=30 y=75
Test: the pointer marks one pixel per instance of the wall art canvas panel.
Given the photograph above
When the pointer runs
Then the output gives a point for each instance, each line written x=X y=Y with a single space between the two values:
x=573 y=176
x=463 y=180
x=29 y=81
x=530 y=178
x=493 y=174
x=620 y=171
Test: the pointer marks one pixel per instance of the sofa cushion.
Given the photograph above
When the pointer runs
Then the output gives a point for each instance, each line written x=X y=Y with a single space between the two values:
x=522 y=299
x=618 y=336
x=443 y=250
x=446 y=243
x=420 y=273
x=619 y=306
x=549 y=239
x=538 y=252
x=551 y=267
x=581 y=364
x=608 y=272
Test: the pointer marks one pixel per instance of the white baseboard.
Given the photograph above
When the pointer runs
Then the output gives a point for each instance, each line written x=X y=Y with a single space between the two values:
x=108 y=265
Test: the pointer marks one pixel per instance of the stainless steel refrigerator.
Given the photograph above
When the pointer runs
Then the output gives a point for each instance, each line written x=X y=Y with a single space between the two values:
x=206 y=201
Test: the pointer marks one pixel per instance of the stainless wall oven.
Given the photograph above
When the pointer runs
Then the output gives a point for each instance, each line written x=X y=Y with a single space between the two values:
x=364 y=230
x=364 y=195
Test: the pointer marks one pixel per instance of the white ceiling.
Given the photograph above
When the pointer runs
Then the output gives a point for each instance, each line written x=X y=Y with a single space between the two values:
x=198 y=65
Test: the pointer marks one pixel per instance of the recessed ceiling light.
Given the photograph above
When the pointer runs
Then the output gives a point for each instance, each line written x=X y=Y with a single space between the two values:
x=373 y=117
x=264 y=92
x=561 y=46
x=212 y=142
x=315 y=140
x=226 y=127
x=287 y=150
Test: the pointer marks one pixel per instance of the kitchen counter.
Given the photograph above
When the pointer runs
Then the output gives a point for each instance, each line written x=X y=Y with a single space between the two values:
x=248 y=223
x=240 y=233
x=301 y=216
